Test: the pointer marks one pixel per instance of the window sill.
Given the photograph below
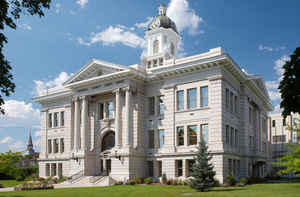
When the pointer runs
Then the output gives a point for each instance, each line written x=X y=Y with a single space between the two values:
x=191 y=110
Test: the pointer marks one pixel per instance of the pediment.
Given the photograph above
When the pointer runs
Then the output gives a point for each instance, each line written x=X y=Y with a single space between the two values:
x=93 y=69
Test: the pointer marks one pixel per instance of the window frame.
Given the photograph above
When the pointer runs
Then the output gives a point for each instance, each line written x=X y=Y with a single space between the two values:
x=190 y=99
x=202 y=98
x=179 y=137
x=180 y=97
x=192 y=137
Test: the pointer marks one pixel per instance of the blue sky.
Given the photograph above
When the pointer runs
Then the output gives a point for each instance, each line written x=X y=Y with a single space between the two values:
x=259 y=35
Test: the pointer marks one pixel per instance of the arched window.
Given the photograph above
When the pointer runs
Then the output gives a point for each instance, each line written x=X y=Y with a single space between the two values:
x=155 y=46
x=108 y=141
x=172 y=48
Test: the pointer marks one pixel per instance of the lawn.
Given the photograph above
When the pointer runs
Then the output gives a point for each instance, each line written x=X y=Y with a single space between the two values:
x=259 y=190
x=10 y=183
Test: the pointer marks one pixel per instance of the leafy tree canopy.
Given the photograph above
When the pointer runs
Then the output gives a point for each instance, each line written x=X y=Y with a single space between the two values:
x=290 y=85
x=10 y=11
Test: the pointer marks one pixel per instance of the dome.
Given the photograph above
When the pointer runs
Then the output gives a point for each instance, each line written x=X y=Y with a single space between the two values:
x=162 y=20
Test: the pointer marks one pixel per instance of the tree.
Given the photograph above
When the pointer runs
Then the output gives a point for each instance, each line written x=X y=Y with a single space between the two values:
x=8 y=162
x=290 y=162
x=289 y=86
x=202 y=170
x=10 y=11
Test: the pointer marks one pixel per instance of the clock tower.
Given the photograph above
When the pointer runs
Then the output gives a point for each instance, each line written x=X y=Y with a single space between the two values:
x=162 y=40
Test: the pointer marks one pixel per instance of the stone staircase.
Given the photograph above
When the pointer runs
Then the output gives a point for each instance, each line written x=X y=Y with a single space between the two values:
x=86 y=181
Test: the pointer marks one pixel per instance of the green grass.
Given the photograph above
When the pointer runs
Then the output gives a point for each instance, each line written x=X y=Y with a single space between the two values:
x=10 y=183
x=259 y=190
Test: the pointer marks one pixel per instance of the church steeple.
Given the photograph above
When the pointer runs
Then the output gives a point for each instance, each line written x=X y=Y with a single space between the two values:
x=30 y=150
x=162 y=10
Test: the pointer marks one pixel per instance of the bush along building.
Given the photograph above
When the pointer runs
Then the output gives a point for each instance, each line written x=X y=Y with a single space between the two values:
x=117 y=122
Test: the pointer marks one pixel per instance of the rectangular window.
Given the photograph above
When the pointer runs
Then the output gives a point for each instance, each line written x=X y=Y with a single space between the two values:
x=234 y=167
x=62 y=145
x=53 y=169
x=238 y=167
x=151 y=139
x=161 y=105
x=50 y=120
x=62 y=118
x=279 y=138
x=101 y=111
x=180 y=136
x=179 y=167
x=110 y=109
x=231 y=101
x=151 y=104
x=180 y=100
x=161 y=138
x=273 y=123
x=161 y=61
x=236 y=135
x=294 y=137
x=250 y=115
x=55 y=119
x=150 y=168
x=227 y=134
x=204 y=132
x=227 y=98
x=49 y=146
x=232 y=136
x=230 y=165
x=47 y=169
x=204 y=96
x=235 y=104
x=55 y=146
x=190 y=166
x=192 y=98
x=192 y=135
x=159 y=165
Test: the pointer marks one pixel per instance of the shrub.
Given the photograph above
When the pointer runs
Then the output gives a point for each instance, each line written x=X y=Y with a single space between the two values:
x=148 y=180
x=20 y=178
x=217 y=183
x=61 y=179
x=1 y=186
x=33 y=185
x=169 y=181
x=229 y=180
x=175 y=182
x=131 y=182
x=138 y=180
x=119 y=183
x=243 y=181
x=185 y=182
x=164 y=178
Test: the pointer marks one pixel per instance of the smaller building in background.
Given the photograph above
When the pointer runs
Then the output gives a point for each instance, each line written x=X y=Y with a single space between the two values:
x=29 y=155
x=280 y=134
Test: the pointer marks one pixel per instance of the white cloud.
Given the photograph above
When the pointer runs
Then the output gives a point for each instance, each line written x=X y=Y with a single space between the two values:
x=58 y=8
x=6 y=140
x=82 y=3
x=277 y=109
x=184 y=17
x=270 y=49
x=273 y=85
x=17 y=146
x=38 y=133
x=26 y=26
x=279 y=63
x=19 y=114
x=113 y=35
x=144 y=24
x=42 y=86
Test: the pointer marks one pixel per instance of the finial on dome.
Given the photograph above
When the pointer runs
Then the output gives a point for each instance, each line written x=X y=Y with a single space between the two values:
x=162 y=10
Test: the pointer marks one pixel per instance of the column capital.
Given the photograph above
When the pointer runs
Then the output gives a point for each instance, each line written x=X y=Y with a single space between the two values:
x=75 y=98
x=118 y=90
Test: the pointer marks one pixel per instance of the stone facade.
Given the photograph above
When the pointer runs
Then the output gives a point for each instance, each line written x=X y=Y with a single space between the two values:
x=146 y=120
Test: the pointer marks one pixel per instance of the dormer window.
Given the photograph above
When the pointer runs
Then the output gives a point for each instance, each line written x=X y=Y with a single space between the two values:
x=172 y=48
x=149 y=64
x=154 y=63
x=155 y=46
x=161 y=61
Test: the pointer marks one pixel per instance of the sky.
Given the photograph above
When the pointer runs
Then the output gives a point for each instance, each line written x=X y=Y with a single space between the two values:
x=259 y=35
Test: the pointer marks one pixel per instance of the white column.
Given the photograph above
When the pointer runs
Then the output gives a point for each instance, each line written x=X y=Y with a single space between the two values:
x=128 y=114
x=76 y=124
x=84 y=122
x=117 y=119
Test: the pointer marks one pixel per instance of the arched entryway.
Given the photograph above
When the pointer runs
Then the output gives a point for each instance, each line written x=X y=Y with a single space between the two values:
x=107 y=143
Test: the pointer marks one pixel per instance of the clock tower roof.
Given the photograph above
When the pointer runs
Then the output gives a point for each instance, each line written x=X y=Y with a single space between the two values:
x=162 y=20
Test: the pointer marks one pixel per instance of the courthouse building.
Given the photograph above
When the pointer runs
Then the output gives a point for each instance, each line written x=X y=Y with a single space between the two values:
x=122 y=121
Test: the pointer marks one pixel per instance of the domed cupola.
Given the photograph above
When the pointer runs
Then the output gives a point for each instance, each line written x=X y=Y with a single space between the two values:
x=162 y=20
x=162 y=40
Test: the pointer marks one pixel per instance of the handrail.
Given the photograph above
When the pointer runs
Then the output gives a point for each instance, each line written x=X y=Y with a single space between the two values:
x=76 y=176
